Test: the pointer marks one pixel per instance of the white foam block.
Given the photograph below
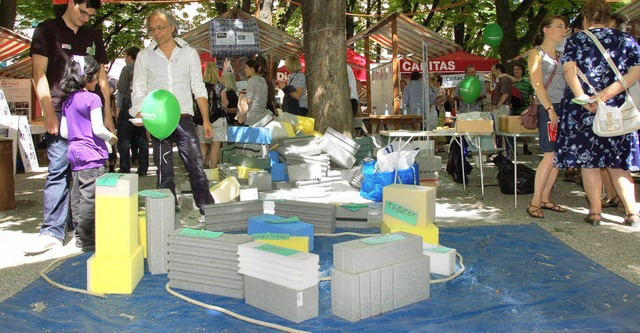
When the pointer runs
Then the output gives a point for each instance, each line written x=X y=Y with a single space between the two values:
x=442 y=259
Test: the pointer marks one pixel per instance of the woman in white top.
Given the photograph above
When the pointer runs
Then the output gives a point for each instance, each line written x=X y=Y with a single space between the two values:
x=257 y=93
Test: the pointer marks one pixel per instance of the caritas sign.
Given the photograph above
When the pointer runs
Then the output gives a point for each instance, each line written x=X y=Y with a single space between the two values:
x=455 y=62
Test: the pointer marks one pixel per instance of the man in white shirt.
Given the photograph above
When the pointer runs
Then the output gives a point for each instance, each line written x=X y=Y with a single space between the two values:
x=170 y=63
x=353 y=91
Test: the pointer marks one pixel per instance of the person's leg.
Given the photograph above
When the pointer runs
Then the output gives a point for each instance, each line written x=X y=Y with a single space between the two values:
x=125 y=130
x=163 y=159
x=56 y=188
x=214 y=156
x=139 y=136
x=87 y=211
x=610 y=196
x=74 y=198
x=541 y=179
x=189 y=150
x=593 y=188
x=625 y=187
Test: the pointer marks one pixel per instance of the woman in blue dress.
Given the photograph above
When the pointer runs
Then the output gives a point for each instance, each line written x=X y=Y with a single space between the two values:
x=577 y=146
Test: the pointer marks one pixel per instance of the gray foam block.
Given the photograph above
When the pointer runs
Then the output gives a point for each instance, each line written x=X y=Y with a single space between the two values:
x=208 y=289
x=161 y=220
x=185 y=249
x=376 y=291
x=365 y=294
x=197 y=278
x=345 y=295
x=229 y=273
x=357 y=256
x=191 y=259
x=225 y=240
x=410 y=282
x=294 y=305
x=386 y=289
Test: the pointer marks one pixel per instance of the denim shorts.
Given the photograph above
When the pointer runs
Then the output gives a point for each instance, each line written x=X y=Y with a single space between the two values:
x=543 y=131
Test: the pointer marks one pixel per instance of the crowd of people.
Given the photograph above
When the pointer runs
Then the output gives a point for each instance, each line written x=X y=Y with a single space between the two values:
x=80 y=116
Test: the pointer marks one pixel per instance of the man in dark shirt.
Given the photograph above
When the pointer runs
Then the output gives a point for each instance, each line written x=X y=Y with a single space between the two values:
x=54 y=42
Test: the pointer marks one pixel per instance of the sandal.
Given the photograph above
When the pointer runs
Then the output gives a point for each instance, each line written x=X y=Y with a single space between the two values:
x=593 y=218
x=535 y=212
x=552 y=206
x=613 y=202
x=632 y=220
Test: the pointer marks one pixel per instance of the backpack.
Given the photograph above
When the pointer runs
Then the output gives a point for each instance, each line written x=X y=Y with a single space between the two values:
x=517 y=101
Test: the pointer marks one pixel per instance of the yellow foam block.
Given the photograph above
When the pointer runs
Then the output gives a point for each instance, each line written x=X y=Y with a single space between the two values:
x=142 y=231
x=430 y=234
x=116 y=228
x=317 y=134
x=243 y=172
x=288 y=127
x=305 y=124
x=411 y=204
x=298 y=243
x=226 y=190
x=115 y=275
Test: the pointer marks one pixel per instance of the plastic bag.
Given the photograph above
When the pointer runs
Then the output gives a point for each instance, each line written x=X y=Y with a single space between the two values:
x=389 y=156
x=373 y=181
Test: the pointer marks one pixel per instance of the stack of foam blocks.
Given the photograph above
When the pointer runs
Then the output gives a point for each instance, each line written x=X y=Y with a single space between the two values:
x=321 y=215
x=341 y=149
x=281 y=281
x=353 y=215
x=231 y=216
x=410 y=208
x=206 y=261
x=378 y=274
x=251 y=147
x=299 y=235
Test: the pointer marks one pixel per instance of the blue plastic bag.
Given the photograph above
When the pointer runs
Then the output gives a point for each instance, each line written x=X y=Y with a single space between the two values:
x=373 y=181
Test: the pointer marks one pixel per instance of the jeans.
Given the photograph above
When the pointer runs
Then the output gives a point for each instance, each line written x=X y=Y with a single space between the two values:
x=83 y=203
x=131 y=137
x=56 y=187
x=186 y=138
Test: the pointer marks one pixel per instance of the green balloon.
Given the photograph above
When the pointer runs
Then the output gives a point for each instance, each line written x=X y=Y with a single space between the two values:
x=470 y=89
x=492 y=35
x=160 y=113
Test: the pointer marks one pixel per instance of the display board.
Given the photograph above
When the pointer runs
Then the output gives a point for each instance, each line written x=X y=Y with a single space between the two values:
x=18 y=96
x=232 y=38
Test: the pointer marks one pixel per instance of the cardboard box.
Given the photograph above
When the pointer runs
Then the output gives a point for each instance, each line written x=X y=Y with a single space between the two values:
x=511 y=124
x=474 y=126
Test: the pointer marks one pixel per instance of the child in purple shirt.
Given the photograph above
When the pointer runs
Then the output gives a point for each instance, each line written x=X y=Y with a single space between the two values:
x=82 y=125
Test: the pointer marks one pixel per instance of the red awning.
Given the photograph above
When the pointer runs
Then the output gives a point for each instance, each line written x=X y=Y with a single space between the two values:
x=357 y=62
x=12 y=44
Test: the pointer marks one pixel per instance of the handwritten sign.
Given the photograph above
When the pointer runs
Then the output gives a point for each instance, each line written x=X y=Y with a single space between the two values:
x=152 y=194
x=270 y=236
x=108 y=179
x=382 y=239
x=200 y=233
x=400 y=212
x=284 y=220
x=283 y=251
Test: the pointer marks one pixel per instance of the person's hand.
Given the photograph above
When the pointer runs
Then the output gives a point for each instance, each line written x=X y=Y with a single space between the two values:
x=553 y=117
x=591 y=107
x=51 y=123
x=113 y=140
x=208 y=130
x=139 y=124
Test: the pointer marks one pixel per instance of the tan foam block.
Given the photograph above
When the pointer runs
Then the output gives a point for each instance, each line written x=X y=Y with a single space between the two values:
x=410 y=204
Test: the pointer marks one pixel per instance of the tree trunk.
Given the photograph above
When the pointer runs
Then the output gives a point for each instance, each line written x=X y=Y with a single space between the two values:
x=8 y=13
x=326 y=64
x=265 y=11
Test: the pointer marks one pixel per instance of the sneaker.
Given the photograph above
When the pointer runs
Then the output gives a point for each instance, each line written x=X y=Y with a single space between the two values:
x=201 y=219
x=43 y=244
x=526 y=151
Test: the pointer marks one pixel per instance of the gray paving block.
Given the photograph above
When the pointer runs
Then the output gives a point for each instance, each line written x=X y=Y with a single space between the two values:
x=294 y=305
x=386 y=289
x=185 y=187
x=345 y=295
x=250 y=162
x=357 y=256
x=411 y=282
x=186 y=201
x=161 y=220
x=260 y=180
x=208 y=289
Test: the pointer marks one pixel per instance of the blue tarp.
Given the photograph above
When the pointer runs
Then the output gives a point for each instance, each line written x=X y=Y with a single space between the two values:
x=517 y=279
